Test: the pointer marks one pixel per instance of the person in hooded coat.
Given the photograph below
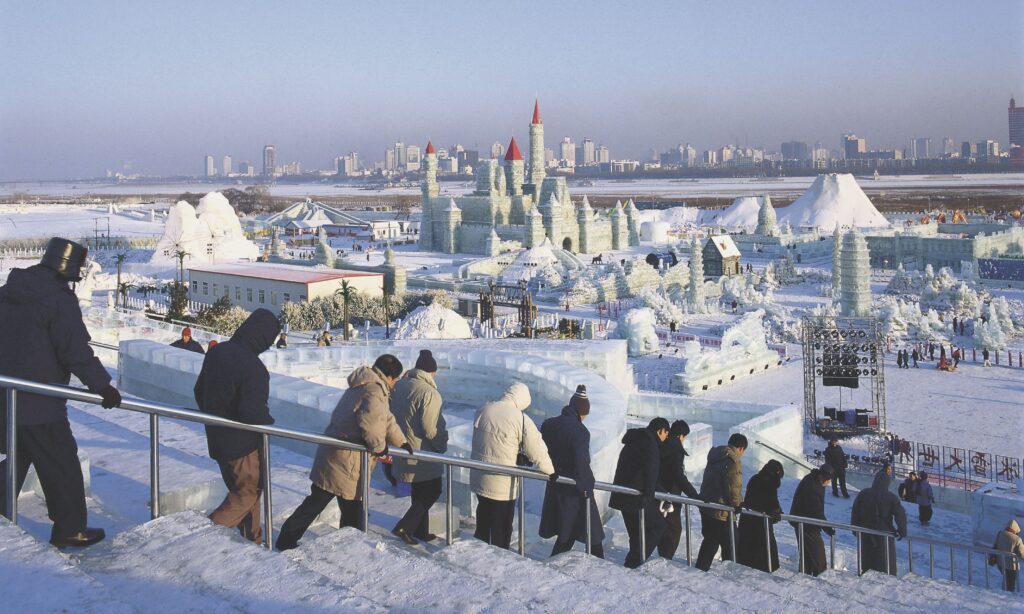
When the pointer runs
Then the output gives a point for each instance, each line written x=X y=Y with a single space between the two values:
x=562 y=515
x=878 y=508
x=500 y=429
x=762 y=496
x=722 y=484
x=809 y=502
x=234 y=384
x=362 y=416
x=416 y=405
x=45 y=341
x=1008 y=540
x=835 y=456
x=638 y=467
x=672 y=479
x=187 y=342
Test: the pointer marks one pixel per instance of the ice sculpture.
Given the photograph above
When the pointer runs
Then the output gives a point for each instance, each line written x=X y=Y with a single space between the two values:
x=209 y=233
x=434 y=322
x=636 y=326
x=744 y=352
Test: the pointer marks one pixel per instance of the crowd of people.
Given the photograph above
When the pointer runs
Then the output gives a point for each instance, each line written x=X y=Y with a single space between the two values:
x=386 y=407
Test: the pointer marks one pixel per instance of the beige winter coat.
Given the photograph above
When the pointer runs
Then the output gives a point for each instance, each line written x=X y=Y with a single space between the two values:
x=498 y=429
x=364 y=417
x=416 y=405
x=1008 y=541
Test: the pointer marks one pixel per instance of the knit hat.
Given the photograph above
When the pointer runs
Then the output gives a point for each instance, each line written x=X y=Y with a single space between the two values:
x=426 y=362
x=679 y=427
x=1013 y=526
x=186 y=331
x=579 y=402
x=826 y=471
x=213 y=342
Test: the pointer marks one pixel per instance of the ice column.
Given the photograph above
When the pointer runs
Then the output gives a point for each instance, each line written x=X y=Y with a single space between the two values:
x=837 y=264
x=856 y=276
x=695 y=295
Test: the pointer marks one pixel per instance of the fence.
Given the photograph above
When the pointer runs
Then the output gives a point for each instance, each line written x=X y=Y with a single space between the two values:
x=11 y=386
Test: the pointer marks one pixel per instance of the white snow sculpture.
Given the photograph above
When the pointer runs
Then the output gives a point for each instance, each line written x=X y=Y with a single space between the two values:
x=744 y=352
x=767 y=223
x=742 y=213
x=636 y=326
x=855 y=283
x=84 y=288
x=834 y=200
x=837 y=262
x=654 y=232
x=695 y=300
x=209 y=233
x=434 y=322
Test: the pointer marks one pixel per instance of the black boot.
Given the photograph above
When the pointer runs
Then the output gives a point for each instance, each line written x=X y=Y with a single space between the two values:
x=81 y=539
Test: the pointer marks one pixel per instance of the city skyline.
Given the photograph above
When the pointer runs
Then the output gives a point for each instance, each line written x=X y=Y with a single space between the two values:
x=111 y=91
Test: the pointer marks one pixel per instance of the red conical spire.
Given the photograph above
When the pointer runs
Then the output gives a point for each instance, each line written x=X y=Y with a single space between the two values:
x=430 y=147
x=536 y=112
x=513 y=151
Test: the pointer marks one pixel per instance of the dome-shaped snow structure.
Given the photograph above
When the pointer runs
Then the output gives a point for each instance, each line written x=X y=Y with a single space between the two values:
x=434 y=322
x=833 y=200
x=742 y=213
x=654 y=232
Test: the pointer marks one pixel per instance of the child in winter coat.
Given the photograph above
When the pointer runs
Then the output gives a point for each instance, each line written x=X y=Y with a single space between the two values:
x=923 y=493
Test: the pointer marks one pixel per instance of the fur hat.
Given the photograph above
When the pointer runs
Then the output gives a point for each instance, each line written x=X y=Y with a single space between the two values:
x=579 y=402
x=679 y=427
x=826 y=472
x=426 y=362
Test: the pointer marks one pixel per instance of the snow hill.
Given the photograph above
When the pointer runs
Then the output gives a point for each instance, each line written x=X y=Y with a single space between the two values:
x=434 y=322
x=833 y=199
x=742 y=213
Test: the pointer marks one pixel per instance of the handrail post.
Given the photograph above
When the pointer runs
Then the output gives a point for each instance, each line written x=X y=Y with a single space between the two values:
x=643 y=534
x=931 y=560
x=951 y=562
x=365 y=459
x=800 y=545
x=888 y=565
x=448 y=534
x=686 y=510
x=11 y=505
x=586 y=515
x=154 y=466
x=768 y=542
x=910 y=555
x=860 y=554
x=522 y=516
x=732 y=536
x=268 y=503
x=969 y=570
x=832 y=550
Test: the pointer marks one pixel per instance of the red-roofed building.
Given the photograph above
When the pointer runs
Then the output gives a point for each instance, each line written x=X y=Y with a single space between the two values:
x=513 y=151
x=252 y=285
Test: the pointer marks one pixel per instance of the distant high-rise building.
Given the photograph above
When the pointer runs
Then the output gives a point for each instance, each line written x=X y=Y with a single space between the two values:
x=920 y=149
x=948 y=146
x=412 y=158
x=795 y=150
x=603 y=157
x=400 y=155
x=226 y=166
x=968 y=150
x=245 y=169
x=549 y=156
x=988 y=149
x=390 y=160
x=1016 y=121
x=269 y=161
x=497 y=150
x=567 y=152
x=589 y=152
x=211 y=170
x=853 y=147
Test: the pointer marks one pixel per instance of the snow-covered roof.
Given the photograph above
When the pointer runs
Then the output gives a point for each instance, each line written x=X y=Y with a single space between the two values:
x=724 y=245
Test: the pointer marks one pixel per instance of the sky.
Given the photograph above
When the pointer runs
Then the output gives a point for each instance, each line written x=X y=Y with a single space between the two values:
x=153 y=87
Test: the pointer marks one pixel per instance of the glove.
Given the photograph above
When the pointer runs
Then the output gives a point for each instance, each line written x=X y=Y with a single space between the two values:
x=382 y=453
x=829 y=531
x=775 y=516
x=553 y=477
x=738 y=509
x=407 y=447
x=111 y=397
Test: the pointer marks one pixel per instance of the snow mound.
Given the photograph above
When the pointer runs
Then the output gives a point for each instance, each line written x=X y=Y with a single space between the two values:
x=832 y=200
x=742 y=213
x=532 y=262
x=210 y=232
x=434 y=322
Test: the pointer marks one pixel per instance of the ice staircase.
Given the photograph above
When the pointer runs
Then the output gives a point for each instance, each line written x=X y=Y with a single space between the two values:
x=182 y=562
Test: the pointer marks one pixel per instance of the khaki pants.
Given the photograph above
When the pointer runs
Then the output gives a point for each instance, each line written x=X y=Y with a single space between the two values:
x=241 y=507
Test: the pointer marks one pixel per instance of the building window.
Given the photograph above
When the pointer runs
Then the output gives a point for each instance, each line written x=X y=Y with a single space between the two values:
x=273 y=297
x=216 y=289
x=205 y=289
x=195 y=287
x=263 y=297
x=302 y=298
x=238 y=293
x=287 y=297
x=248 y=295
x=227 y=290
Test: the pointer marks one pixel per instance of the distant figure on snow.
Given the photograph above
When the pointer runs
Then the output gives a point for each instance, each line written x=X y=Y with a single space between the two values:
x=836 y=457
x=924 y=497
x=1008 y=540
x=187 y=342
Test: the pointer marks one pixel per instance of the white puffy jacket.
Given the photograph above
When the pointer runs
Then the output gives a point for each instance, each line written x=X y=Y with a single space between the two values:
x=498 y=429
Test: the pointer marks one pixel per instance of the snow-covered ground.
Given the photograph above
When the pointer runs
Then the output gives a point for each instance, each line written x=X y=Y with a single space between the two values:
x=31 y=221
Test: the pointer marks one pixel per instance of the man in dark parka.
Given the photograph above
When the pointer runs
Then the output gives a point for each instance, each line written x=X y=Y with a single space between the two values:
x=45 y=340
x=722 y=484
x=234 y=384
x=762 y=496
x=836 y=457
x=809 y=502
x=562 y=516
x=878 y=508
x=638 y=467
x=672 y=479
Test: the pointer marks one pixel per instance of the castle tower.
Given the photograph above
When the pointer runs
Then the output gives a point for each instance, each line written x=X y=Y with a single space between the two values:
x=855 y=296
x=430 y=191
x=451 y=219
x=551 y=212
x=620 y=228
x=695 y=293
x=585 y=220
x=536 y=149
x=534 y=231
x=493 y=244
x=767 y=225
x=837 y=262
x=633 y=222
x=515 y=169
x=395 y=276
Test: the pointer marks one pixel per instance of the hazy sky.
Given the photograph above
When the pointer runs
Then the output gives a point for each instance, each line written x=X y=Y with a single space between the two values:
x=89 y=86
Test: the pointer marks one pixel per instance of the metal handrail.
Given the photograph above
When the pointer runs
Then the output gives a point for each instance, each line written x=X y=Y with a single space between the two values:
x=12 y=385
x=799 y=461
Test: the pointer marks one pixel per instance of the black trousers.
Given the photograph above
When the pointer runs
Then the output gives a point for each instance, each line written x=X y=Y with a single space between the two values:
x=596 y=549
x=839 y=481
x=494 y=521
x=673 y=532
x=654 y=528
x=52 y=450
x=925 y=513
x=1010 y=580
x=295 y=527
x=717 y=536
x=416 y=521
